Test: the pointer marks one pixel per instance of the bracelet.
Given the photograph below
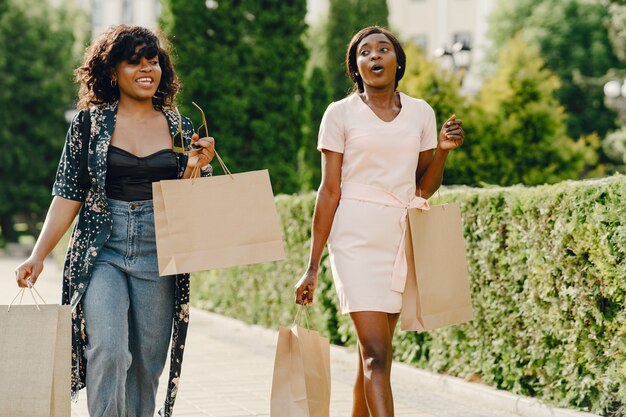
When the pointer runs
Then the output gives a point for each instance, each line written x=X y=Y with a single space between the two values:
x=208 y=169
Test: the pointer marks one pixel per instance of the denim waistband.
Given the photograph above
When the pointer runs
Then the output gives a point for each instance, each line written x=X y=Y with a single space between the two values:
x=119 y=206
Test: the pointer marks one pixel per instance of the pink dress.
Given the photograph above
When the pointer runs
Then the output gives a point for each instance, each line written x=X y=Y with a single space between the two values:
x=380 y=157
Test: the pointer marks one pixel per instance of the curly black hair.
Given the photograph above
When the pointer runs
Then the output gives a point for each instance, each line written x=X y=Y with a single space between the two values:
x=112 y=47
x=351 y=66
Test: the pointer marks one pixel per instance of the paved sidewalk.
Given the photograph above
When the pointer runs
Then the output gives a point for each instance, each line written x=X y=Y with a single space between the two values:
x=227 y=372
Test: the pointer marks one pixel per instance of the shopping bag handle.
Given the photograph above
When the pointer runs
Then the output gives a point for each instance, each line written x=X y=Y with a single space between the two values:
x=443 y=206
x=297 y=319
x=223 y=165
x=20 y=294
x=195 y=173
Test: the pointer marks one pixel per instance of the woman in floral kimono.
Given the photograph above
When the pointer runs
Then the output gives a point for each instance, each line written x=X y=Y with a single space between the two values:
x=123 y=312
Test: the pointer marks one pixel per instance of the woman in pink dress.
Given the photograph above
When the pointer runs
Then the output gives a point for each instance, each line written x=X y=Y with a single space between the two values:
x=380 y=157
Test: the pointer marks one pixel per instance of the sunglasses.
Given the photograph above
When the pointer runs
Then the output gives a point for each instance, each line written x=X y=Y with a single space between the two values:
x=179 y=144
x=203 y=132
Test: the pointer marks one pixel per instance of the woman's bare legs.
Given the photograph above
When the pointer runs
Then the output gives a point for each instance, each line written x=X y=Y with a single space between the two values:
x=359 y=405
x=372 y=388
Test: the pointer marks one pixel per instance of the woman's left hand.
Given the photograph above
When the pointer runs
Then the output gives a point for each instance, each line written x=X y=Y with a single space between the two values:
x=451 y=135
x=203 y=151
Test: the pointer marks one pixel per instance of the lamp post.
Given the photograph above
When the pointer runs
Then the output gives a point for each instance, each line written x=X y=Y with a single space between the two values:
x=615 y=98
x=460 y=56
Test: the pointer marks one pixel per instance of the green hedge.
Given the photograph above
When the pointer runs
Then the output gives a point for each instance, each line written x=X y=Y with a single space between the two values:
x=548 y=278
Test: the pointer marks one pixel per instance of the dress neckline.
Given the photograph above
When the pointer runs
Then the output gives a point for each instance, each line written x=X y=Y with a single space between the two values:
x=159 y=152
x=373 y=113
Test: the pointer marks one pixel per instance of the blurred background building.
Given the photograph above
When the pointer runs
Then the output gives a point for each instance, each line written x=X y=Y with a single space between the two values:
x=431 y=24
x=107 y=13
x=452 y=30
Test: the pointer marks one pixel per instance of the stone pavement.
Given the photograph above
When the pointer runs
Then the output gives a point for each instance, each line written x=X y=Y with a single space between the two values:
x=227 y=372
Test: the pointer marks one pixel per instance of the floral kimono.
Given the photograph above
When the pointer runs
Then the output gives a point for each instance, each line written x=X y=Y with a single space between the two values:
x=93 y=229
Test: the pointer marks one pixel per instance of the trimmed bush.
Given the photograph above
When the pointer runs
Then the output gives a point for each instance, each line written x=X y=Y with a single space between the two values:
x=548 y=279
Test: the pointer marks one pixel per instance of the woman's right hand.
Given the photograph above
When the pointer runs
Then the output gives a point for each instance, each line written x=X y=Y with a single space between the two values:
x=28 y=271
x=305 y=287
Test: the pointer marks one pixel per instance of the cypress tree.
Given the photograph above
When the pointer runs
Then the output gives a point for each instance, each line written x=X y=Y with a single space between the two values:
x=317 y=100
x=370 y=13
x=36 y=44
x=339 y=31
x=573 y=38
x=275 y=87
x=345 y=18
x=519 y=134
x=617 y=27
x=243 y=61
x=208 y=57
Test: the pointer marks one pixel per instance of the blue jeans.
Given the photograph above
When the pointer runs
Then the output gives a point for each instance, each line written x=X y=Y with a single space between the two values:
x=129 y=311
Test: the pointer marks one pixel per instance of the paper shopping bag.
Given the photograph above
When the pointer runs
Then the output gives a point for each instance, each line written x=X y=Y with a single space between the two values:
x=216 y=222
x=437 y=292
x=36 y=350
x=301 y=381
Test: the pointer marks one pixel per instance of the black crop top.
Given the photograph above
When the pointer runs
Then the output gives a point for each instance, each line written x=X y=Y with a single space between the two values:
x=130 y=178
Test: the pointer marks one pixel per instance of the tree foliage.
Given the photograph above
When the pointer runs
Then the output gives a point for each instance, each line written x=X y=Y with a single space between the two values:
x=36 y=62
x=370 y=13
x=617 y=27
x=317 y=99
x=614 y=146
x=345 y=18
x=516 y=128
x=424 y=79
x=339 y=31
x=243 y=61
x=574 y=42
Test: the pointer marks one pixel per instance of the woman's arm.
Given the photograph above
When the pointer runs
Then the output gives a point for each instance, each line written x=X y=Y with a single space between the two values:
x=326 y=204
x=430 y=167
x=430 y=172
x=60 y=215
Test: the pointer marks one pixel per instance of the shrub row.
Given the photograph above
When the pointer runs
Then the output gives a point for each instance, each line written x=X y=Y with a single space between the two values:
x=548 y=279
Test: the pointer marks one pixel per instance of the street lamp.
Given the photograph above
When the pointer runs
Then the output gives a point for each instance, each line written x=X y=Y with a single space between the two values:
x=613 y=89
x=615 y=98
x=460 y=56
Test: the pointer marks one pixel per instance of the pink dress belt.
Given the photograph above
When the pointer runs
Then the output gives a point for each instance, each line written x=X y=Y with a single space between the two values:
x=375 y=195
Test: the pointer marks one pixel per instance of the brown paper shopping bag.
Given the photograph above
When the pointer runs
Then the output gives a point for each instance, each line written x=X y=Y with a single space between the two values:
x=437 y=292
x=36 y=350
x=301 y=381
x=216 y=222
